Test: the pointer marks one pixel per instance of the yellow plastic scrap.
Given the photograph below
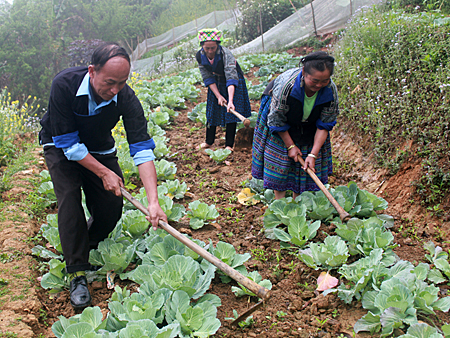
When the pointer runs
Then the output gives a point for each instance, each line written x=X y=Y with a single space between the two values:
x=245 y=197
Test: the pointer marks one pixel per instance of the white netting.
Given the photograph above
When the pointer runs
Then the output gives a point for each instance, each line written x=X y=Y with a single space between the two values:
x=176 y=34
x=329 y=16
x=183 y=53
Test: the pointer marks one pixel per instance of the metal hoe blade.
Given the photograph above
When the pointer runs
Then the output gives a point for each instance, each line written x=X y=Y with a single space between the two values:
x=247 y=313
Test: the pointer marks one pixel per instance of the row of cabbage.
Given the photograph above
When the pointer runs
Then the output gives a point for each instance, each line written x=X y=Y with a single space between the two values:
x=394 y=291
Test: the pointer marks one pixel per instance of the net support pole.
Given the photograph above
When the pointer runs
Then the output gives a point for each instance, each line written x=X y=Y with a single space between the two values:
x=173 y=35
x=351 y=8
x=314 y=19
x=261 y=27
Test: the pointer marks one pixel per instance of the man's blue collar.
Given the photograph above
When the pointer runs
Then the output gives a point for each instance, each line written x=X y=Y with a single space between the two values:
x=85 y=89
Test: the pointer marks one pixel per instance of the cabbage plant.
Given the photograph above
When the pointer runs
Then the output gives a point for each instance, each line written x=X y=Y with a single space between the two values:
x=300 y=231
x=50 y=232
x=173 y=189
x=421 y=330
x=281 y=212
x=155 y=130
x=56 y=279
x=218 y=155
x=165 y=170
x=46 y=190
x=84 y=325
x=198 y=114
x=160 y=118
x=161 y=148
x=363 y=236
x=173 y=211
x=200 y=213
x=112 y=256
x=357 y=202
x=361 y=276
x=177 y=273
x=256 y=186
x=439 y=259
x=332 y=253
x=196 y=320
x=227 y=254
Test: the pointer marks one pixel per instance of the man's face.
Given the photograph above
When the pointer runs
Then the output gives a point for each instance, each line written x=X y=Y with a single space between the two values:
x=110 y=79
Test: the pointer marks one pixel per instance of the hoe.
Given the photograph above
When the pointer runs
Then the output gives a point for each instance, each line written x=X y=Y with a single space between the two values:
x=258 y=290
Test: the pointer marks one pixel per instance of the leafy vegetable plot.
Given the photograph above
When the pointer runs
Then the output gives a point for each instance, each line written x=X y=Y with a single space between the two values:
x=399 y=299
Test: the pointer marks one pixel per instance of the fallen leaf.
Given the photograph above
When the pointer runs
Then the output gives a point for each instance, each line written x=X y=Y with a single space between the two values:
x=245 y=197
x=326 y=281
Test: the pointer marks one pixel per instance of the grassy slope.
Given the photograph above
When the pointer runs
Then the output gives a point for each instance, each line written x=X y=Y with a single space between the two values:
x=393 y=76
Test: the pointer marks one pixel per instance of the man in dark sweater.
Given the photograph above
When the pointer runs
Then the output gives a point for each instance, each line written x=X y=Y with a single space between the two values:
x=85 y=104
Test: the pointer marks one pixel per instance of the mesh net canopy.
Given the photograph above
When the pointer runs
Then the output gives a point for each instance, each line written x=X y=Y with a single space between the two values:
x=177 y=34
x=317 y=18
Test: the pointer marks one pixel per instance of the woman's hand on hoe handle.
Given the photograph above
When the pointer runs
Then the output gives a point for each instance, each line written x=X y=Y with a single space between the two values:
x=310 y=163
x=294 y=153
x=221 y=101
x=229 y=105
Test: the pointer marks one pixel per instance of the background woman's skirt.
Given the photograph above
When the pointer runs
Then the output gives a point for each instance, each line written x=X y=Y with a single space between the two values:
x=271 y=163
x=217 y=115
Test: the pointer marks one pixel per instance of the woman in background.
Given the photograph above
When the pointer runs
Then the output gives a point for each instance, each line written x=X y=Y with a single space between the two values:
x=226 y=87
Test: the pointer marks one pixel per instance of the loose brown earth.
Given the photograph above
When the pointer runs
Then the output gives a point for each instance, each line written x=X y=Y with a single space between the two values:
x=28 y=311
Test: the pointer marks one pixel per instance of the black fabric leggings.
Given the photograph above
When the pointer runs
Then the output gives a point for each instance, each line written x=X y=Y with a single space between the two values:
x=77 y=235
x=230 y=133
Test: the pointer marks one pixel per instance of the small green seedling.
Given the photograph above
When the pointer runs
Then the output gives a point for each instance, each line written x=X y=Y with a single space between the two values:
x=248 y=322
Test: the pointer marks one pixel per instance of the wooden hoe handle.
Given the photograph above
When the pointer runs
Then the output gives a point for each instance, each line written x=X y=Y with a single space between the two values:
x=258 y=290
x=343 y=215
x=245 y=120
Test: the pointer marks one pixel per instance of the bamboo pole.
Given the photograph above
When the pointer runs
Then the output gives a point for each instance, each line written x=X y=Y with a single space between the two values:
x=314 y=19
x=261 y=27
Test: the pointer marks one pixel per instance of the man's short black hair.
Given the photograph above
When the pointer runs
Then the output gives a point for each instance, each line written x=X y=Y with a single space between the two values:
x=105 y=52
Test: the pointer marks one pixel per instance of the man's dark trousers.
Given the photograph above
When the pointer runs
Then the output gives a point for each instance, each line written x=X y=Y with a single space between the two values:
x=78 y=236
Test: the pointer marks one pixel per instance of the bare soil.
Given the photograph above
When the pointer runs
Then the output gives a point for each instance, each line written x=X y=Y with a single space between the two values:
x=295 y=309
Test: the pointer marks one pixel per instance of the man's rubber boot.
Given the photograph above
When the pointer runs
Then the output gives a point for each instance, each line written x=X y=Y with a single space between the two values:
x=79 y=293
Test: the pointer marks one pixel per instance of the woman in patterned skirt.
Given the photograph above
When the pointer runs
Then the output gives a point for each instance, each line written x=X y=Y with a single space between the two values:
x=226 y=87
x=298 y=110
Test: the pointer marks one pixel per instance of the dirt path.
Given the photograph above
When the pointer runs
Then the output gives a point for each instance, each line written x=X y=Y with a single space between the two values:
x=294 y=310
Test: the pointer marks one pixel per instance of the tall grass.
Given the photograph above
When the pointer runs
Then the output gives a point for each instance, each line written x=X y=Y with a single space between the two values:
x=15 y=121
x=393 y=70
